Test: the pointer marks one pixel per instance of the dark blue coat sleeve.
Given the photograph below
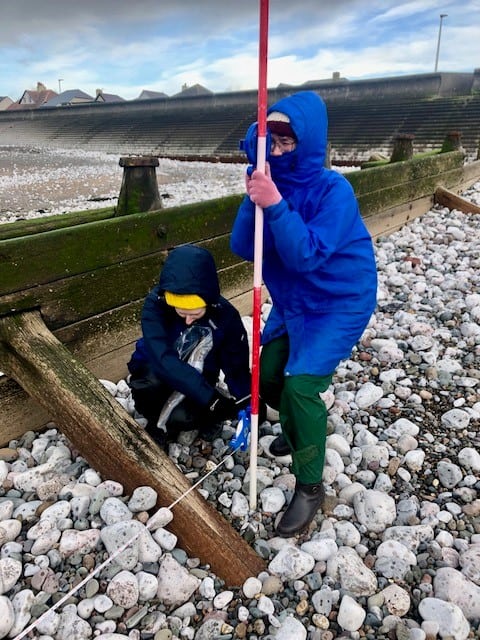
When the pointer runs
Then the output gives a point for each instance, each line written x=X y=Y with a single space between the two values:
x=235 y=355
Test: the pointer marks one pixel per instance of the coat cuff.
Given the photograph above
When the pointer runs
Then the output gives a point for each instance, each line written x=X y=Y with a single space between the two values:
x=275 y=211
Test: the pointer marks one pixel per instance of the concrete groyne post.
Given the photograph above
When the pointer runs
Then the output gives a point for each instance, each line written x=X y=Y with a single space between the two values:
x=402 y=147
x=139 y=190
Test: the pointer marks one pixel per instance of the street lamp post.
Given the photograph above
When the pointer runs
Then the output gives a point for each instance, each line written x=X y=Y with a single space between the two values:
x=60 y=80
x=442 y=16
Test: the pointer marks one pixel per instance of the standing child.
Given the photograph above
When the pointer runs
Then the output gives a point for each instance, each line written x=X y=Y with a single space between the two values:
x=319 y=268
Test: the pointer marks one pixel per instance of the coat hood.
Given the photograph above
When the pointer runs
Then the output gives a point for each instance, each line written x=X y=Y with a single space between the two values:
x=302 y=167
x=189 y=269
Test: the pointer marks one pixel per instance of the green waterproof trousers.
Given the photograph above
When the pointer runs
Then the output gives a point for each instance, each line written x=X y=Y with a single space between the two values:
x=303 y=414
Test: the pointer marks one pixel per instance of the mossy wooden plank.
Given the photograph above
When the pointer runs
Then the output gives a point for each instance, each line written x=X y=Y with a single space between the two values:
x=398 y=193
x=375 y=178
x=103 y=343
x=56 y=254
x=388 y=221
x=72 y=299
x=103 y=333
x=49 y=223
x=103 y=288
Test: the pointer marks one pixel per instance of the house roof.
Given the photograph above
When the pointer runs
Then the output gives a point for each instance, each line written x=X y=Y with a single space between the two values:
x=150 y=95
x=15 y=106
x=5 y=102
x=194 y=90
x=33 y=99
x=108 y=97
x=72 y=96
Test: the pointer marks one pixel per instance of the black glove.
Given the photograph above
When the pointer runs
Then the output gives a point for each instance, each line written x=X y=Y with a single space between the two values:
x=222 y=408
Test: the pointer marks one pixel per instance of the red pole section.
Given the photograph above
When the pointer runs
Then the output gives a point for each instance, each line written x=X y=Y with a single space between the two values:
x=262 y=70
x=258 y=248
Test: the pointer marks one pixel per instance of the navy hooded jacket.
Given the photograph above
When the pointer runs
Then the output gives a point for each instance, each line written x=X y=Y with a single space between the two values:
x=317 y=253
x=189 y=269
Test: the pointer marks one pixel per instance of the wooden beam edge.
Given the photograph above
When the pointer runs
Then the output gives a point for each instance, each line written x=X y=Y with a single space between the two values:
x=446 y=198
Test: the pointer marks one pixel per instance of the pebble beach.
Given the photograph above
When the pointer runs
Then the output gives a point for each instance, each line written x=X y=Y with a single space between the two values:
x=395 y=552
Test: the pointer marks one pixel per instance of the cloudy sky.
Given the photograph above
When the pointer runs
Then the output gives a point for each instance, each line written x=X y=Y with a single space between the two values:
x=125 y=46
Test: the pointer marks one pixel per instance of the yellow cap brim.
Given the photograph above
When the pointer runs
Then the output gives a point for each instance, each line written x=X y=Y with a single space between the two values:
x=184 y=301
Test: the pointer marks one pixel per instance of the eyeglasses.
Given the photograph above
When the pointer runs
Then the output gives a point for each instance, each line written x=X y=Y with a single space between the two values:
x=282 y=143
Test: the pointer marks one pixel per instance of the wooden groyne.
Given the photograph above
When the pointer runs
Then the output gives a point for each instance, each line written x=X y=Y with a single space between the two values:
x=71 y=294
x=88 y=273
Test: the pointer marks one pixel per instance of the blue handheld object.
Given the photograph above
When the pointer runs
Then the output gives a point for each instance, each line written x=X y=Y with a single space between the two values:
x=242 y=436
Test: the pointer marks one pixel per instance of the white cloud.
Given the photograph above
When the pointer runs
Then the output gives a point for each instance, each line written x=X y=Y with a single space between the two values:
x=124 y=47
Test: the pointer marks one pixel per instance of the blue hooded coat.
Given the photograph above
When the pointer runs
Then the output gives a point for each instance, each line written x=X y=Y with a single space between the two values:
x=191 y=270
x=318 y=260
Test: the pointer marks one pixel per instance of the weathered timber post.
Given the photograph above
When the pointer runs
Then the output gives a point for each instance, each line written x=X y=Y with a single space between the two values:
x=451 y=200
x=452 y=142
x=139 y=190
x=402 y=147
x=114 y=445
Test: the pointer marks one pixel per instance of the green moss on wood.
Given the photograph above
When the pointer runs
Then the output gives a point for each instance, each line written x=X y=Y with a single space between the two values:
x=71 y=299
x=368 y=180
x=77 y=271
x=59 y=253
x=49 y=223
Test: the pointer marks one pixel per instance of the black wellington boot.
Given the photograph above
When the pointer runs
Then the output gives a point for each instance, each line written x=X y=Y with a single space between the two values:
x=279 y=447
x=300 y=512
x=159 y=435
